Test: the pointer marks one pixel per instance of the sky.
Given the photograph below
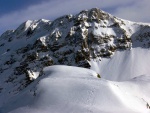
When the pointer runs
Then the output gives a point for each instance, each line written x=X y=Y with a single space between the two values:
x=15 y=12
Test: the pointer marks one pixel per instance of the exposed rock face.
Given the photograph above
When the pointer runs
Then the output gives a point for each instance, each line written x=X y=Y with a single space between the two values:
x=68 y=40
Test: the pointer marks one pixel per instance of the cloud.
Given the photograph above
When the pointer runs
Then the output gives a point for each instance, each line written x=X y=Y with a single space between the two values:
x=138 y=11
x=52 y=9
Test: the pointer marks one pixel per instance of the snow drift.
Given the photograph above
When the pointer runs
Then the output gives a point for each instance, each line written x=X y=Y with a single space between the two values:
x=66 y=89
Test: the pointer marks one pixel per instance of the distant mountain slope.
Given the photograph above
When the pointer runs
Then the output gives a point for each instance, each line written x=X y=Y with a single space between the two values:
x=117 y=49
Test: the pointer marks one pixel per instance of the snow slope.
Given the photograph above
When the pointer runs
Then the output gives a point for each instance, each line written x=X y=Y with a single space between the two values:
x=123 y=65
x=67 y=89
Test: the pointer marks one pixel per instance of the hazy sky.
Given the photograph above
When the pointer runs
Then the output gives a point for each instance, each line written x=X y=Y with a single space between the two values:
x=14 y=12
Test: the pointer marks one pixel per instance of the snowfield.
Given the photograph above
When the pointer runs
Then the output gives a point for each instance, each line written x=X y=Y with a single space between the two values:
x=123 y=65
x=68 y=89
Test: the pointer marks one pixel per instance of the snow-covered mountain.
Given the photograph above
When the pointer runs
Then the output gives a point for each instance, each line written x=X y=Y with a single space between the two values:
x=114 y=48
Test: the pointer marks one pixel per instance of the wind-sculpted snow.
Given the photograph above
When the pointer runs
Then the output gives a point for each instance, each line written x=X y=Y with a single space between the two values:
x=64 y=89
x=123 y=65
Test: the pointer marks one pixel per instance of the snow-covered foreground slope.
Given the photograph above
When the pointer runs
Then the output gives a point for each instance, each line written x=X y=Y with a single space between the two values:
x=124 y=65
x=66 y=89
